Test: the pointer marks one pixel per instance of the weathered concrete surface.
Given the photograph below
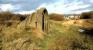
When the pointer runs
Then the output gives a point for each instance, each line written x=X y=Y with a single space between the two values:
x=38 y=19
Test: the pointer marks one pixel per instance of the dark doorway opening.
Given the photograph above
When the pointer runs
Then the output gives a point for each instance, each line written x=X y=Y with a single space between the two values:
x=43 y=19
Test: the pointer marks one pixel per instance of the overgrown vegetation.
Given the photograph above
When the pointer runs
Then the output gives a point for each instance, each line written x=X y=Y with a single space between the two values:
x=8 y=18
x=58 y=37
x=87 y=15
x=67 y=38
x=56 y=17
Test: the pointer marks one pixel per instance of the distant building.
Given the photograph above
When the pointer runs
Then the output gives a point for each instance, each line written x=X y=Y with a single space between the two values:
x=71 y=16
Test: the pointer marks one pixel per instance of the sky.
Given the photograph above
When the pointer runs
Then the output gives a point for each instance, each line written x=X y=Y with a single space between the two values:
x=53 y=6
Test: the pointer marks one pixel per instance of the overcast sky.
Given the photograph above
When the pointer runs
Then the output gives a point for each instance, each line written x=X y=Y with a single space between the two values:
x=53 y=6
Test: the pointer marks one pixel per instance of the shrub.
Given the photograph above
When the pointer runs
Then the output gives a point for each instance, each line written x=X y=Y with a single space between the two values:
x=87 y=15
x=56 y=17
x=8 y=18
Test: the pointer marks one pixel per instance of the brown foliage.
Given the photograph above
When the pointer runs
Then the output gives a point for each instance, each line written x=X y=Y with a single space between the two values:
x=7 y=18
x=56 y=17
x=87 y=15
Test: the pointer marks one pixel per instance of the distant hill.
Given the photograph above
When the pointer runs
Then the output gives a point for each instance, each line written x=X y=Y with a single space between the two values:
x=56 y=17
x=87 y=15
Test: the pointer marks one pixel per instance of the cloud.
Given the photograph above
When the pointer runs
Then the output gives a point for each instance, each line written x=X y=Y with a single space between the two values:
x=91 y=1
x=60 y=7
x=80 y=11
x=6 y=7
x=77 y=5
x=26 y=5
x=25 y=12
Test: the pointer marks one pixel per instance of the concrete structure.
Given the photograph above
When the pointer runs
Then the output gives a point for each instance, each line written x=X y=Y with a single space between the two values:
x=38 y=19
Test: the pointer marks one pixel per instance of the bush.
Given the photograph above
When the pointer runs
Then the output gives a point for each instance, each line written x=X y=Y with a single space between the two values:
x=56 y=17
x=7 y=18
x=87 y=15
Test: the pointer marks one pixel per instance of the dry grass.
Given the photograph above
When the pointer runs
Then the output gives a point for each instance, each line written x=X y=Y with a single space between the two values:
x=85 y=23
x=66 y=38
x=59 y=36
x=15 y=39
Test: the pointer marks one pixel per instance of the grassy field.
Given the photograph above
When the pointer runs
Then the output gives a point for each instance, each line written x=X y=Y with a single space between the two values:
x=61 y=35
x=67 y=38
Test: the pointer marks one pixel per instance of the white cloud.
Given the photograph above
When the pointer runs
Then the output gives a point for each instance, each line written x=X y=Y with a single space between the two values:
x=80 y=11
x=91 y=1
x=6 y=7
x=61 y=7
x=77 y=5
x=25 y=12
